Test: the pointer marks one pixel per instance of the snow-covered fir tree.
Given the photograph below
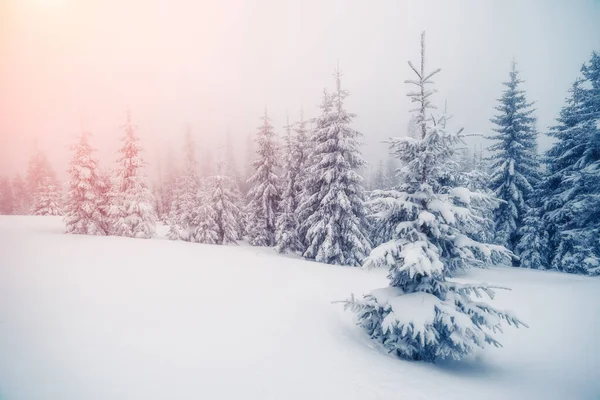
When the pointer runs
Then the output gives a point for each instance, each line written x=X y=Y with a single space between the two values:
x=571 y=191
x=424 y=315
x=83 y=213
x=185 y=198
x=47 y=199
x=204 y=227
x=223 y=196
x=136 y=216
x=286 y=235
x=307 y=204
x=515 y=161
x=332 y=208
x=264 y=194
x=7 y=200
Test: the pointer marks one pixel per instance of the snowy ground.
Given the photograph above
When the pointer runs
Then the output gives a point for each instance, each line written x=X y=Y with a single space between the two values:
x=115 y=318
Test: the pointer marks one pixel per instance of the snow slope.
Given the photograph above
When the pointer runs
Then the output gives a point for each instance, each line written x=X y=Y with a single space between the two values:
x=100 y=318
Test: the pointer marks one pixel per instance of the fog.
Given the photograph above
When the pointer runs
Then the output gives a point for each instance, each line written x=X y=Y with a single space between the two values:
x=67 y=65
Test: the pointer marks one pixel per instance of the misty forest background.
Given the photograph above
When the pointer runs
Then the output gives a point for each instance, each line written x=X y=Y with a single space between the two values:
x=547 y=212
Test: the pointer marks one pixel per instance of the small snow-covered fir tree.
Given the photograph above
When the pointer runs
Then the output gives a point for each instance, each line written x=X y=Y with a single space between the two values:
x=515 y=161
x=185 y=198
x=423 y=314
x=83 y=208
x=332 y=209
x=48 y=197
x=571 y=200
x=286 y=235
x=223 y=196
x=136 y=202
x=204 y=228
x=264 y=194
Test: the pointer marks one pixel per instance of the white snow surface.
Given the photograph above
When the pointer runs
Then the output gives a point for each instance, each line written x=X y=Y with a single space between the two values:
x=96 y=318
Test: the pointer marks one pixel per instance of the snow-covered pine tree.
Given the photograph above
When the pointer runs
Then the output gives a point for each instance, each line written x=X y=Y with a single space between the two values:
x=204 y=227
x=223 y=196
x=7 y=200
x=424 y=315
x=308 y=202
x=515 y=165
x=185 y=199
x=83 y=208
x=137 y=217
x=264 y=194
x=571 y=204
x=48 y=197
x=336 y=224
x=286 y=235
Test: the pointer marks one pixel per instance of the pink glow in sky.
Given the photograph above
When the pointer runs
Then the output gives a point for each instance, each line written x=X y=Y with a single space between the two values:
x=214 y=65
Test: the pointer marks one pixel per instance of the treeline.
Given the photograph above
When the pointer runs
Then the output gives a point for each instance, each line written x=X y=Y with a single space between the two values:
x=303 y=193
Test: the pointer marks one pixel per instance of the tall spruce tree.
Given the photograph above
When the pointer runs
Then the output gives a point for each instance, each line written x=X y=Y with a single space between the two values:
x=264 y=194
x=286 y=235
x=515 y=161
x=571 y=203
x=335 y=221
x=423 y=315
x=84 y=206
x=136 y=213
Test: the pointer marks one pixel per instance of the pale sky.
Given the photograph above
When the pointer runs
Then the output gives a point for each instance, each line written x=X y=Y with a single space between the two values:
x=214 y=65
